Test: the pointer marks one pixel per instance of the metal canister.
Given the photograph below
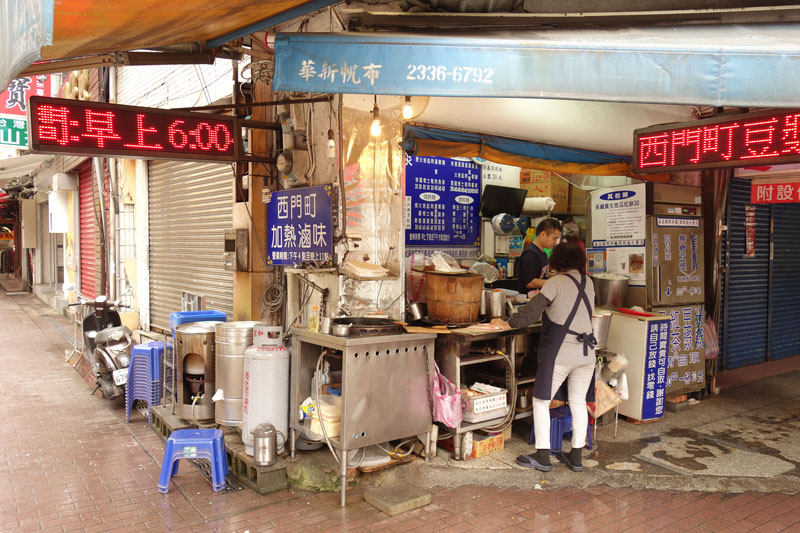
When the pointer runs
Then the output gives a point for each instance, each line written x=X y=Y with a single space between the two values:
x=265 y=445
x=232 y=339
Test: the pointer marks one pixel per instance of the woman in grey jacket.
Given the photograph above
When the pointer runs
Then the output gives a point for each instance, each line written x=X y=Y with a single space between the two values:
x=566 y=352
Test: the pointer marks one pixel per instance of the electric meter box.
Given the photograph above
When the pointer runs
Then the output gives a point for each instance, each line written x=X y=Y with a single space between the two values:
x=236 y=250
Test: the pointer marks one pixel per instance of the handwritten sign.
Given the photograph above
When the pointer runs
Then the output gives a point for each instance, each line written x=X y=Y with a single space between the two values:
x=300 y=226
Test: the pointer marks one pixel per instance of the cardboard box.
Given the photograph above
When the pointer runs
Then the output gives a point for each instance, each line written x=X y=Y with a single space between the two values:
x=484 y=445
x=578 y=200
x=542 y=183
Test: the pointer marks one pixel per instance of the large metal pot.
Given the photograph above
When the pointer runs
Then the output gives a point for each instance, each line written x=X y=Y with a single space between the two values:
x=610 y=289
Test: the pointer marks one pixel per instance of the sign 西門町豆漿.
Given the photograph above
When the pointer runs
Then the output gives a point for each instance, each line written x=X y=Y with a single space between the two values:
x=300 y=226
x=442 y=202
x=655 y=369
x=765 y=137
x=14 y=108
x=61 y=126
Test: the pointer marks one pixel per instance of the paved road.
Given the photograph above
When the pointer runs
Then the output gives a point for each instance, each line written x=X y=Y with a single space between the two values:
x=68 y=462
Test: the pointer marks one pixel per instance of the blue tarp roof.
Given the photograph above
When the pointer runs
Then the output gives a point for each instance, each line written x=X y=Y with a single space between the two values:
x=513 y=146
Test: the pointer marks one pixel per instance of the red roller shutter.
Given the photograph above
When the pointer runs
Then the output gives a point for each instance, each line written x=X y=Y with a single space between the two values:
x=88 y=231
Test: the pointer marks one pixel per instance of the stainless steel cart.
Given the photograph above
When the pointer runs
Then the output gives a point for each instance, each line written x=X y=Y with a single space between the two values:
x=384 y=388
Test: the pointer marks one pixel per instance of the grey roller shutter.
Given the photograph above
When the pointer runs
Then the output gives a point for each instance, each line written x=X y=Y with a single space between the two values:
x=45 y=250
x=190 y=207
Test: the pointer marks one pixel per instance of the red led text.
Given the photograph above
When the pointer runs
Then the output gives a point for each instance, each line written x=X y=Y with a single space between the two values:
x=715 y=142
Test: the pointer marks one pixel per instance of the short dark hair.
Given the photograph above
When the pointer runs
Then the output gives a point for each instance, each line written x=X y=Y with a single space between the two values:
x=549 y=225
x=568 y=256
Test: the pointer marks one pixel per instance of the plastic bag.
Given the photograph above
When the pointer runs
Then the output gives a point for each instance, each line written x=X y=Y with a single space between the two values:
x=443 y=262
x=712 y=341
x=445 y=400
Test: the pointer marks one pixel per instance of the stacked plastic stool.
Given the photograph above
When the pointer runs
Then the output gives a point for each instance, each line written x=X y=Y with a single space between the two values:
x=144 y=377
x=560 y=426
x=194 y=444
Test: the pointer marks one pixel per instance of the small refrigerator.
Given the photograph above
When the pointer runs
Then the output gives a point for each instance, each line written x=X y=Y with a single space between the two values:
x=645 y=342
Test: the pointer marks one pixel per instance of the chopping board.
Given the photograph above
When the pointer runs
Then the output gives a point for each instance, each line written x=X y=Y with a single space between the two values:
x=432 y=329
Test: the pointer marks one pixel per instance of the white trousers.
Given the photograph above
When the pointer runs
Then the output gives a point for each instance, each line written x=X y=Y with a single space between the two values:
x=578 y=380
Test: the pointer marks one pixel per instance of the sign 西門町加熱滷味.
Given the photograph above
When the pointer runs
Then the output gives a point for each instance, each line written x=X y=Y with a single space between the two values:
x=107 y=130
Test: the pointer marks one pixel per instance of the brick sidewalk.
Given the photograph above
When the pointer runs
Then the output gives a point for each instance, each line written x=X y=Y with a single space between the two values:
x=69 y=463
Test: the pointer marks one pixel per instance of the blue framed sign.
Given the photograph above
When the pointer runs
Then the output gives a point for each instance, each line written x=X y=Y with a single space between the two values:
x=655 y=370
x=442 y=202
x=300 y=226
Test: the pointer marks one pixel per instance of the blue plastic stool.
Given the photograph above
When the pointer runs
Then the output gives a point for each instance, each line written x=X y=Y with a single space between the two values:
x=194 y=444
x=560 y=427
x=144 y=377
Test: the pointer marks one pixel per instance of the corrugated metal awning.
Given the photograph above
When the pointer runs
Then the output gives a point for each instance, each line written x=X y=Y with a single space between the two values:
x=720 y=65
x=88 y=27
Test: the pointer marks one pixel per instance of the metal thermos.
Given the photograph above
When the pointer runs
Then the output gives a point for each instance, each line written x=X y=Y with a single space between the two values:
x=265 y=445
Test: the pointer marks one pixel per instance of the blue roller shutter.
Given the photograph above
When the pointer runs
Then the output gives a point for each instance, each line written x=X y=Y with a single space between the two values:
x=784 y=301
x=744 y=331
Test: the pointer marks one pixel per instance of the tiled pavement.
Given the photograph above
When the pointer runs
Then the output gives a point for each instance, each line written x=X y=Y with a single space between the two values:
x=68 y=462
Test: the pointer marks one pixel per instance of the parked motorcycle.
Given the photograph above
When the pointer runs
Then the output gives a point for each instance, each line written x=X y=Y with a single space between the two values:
x=107 y=345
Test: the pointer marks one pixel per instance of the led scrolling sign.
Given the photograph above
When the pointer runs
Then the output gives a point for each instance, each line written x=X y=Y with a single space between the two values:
x=107 y=130
x=728 y=141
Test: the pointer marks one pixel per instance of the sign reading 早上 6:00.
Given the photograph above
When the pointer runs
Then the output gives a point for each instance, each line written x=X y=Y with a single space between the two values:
x=59 y=126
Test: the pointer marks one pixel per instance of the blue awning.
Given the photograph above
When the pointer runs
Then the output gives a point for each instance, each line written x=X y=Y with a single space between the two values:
x=27 y=26
x=721 y=65
x=512 y=146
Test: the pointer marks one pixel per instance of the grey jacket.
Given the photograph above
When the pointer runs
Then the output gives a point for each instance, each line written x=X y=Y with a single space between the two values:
x=530 y=313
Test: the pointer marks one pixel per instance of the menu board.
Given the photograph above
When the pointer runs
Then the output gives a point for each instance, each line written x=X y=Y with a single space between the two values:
x=687 y=348
x=442 y=202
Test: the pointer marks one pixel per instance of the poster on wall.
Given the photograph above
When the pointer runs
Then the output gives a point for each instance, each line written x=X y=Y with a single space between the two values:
x=300 y=226
x=441 y=202
x=14 y=108
x=655 y=371
x=498 y=174
x=619 y=226
x=749 y=231
x=686 y=363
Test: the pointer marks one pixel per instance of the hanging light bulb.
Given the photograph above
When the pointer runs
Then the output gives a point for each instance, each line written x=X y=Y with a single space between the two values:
x=375 y=127
x=407 y=111
x=331 y=145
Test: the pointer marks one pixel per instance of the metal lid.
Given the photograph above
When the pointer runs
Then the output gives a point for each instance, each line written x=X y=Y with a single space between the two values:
x=197 y=327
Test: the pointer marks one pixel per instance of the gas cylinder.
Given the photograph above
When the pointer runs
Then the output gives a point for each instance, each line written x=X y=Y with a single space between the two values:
x=265 y=384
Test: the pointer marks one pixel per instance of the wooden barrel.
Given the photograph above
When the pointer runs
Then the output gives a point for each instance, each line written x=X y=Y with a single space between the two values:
x=453 y=298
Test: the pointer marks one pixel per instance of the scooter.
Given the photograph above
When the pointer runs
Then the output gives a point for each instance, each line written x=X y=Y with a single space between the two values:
x=107 y=345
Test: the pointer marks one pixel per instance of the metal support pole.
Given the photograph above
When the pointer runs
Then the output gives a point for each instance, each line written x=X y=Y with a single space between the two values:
x=343 y=460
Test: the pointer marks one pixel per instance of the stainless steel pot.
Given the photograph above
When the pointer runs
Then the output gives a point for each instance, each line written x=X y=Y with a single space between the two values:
x=601 y=320
x=341 y=330
x=497 y=304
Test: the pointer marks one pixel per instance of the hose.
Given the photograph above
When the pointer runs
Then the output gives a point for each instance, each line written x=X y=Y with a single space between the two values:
x=509 y=418
x=317 y=390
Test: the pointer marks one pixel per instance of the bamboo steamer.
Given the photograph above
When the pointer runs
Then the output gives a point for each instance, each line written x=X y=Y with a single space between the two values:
x=453 y=298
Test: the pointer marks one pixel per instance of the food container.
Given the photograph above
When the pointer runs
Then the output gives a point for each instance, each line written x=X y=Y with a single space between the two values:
x=601 y=320
x=497 y=303
x=415 y=311
x=453 y=298
x=609 y=289
x=341 y=330
x=325 y=325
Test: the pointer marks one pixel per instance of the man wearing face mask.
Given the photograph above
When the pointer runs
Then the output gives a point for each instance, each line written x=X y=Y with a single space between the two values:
x=533 y=263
